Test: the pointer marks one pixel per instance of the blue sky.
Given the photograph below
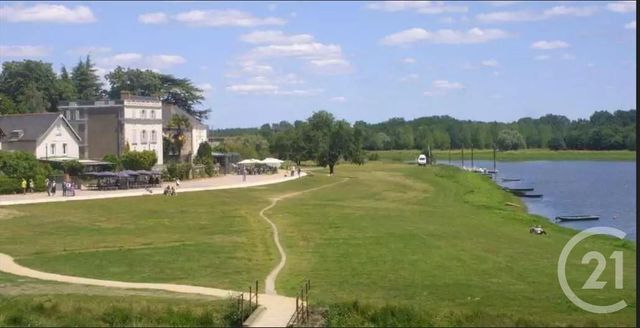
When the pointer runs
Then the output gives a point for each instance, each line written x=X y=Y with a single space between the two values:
x=270 y=61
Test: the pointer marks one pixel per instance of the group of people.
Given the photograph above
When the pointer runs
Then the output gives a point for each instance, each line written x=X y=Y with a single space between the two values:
x=27 y=186
x=170 y=190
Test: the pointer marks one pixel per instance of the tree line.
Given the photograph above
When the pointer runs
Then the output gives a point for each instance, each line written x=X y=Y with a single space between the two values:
x=30 y=86
x=603 y=130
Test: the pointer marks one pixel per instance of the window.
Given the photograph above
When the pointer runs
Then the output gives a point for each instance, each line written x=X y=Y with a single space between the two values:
x=143 y=114
x=64 y=149
x=143 y=137
x=53 y=149
x=154 y=136
x=153 y=114
x=76 y=114
x=58 y=130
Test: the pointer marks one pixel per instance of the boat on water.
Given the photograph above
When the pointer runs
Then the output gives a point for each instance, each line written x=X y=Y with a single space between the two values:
x=529 y=195
x=577 y=217
x=510 y=179
x=518 y=189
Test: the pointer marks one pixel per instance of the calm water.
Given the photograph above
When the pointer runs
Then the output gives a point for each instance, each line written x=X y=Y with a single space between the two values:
x=606 y=189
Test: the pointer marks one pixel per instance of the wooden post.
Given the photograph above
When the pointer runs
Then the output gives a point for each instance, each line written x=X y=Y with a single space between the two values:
x=308 y=285
x=256 y=293
x=250 y=299
x=241 y=307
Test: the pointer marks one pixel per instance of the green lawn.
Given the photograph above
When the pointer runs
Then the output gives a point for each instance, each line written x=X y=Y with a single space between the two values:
x=437 y=243
x=519 y=155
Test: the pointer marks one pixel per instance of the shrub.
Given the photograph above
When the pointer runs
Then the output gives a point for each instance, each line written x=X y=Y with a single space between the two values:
x=73 y=168
x=139 y=160
x=373 y=156
x=557 y=143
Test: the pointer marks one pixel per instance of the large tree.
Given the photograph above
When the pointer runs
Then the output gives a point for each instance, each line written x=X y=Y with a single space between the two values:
x=66 y=89
x=85 y=81
x=171 y=90
x=30 y=86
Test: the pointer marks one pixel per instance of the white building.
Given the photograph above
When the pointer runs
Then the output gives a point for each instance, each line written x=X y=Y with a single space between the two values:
x=196 y=135
x=46 y=135
x=108 y=127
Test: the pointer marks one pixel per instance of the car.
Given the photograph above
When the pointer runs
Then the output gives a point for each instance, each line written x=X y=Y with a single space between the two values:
x=422 y=160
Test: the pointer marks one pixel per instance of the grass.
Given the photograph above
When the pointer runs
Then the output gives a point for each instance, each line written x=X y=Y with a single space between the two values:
x=414 y=246
x=72 y=310
x=519 y=155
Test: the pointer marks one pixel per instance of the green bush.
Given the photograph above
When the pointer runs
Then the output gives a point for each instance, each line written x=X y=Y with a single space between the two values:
x=21 y=165
x=373 y=156
x=10 y=185
x=139 y=160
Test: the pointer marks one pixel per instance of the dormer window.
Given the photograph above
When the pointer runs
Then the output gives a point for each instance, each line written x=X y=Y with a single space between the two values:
x=15 y=135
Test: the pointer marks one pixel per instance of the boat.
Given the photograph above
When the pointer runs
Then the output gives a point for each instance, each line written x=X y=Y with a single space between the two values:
x=492 y=171
x=529 y=195
x=577 y=217
x=518 y=189
x=510 y=179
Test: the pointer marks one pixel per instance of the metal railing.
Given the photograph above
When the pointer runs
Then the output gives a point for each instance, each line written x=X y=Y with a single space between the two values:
x=301 y=316
x=243 y=312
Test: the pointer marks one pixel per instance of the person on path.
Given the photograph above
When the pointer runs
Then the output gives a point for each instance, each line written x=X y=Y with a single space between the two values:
x=31 y=185
x=53 y=187
x=177 y=182
x=298 y=171
x=64 y=188
x=47 y=185
x=23 y=185
x=244 y=174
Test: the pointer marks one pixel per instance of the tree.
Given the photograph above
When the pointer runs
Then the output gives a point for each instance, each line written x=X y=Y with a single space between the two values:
x=73 y=168
x=139 y=160
x=172 y=90
x=111 y=158
x=18 y=165
x=30 y=85
x=332 y=140
x=66 y=89
x=85 y=81
x=7 y=106
x=204 y=156
x=178 y=124
x=557 y=143
x=510 y=139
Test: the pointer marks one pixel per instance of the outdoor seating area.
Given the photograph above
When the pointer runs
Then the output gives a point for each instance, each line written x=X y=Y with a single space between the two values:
x=254 y=166
x=127 y=179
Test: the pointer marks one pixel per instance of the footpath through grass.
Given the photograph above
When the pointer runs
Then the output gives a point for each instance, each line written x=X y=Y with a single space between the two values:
x=413 y=245
x=518 y=155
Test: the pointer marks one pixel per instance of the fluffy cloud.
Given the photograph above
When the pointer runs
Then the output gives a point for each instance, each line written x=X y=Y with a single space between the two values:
x=270 y=89
x=421 y=7
x=137 y=60
x=530 y=16
x=445 y=36
x=630 y=26
x=23 y=51
x=275 y=37
x=490 y=63
x=47 y=13
x=442 y=87
x=338 y=99
x=549 y=45
x=153 y=18
x=218 y=18
x=622 y=6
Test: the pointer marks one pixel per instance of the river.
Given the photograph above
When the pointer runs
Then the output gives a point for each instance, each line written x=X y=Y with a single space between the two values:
x=603 y=188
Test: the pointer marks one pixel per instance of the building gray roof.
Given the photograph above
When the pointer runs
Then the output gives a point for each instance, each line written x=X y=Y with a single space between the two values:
x=33 y=125
x=170 y=110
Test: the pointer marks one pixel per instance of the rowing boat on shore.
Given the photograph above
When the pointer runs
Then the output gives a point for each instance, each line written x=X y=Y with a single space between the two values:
x=529 y=195
x=510 y=179
x=577 y=218
x=518 y=189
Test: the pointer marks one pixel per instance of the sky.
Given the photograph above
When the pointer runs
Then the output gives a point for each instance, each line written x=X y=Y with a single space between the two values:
x=264 y=62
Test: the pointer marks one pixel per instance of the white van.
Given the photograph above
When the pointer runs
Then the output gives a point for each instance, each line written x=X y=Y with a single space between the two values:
x=422 y=160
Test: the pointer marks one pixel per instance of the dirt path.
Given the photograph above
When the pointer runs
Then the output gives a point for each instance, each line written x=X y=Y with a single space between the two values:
x=270 y=282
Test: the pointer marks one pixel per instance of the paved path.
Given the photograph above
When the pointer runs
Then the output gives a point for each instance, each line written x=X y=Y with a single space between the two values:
x=216 y=183
x=278 y=309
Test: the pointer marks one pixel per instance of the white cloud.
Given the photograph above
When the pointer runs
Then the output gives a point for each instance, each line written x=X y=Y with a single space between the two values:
x=409 y=60
x=530 y=16
x=630 y=26
x=444 y=36
x=444 y=84
x=490 y=63
x=325 y=58
x=153 y=18
x=206 y=87
x=275 y=37
x=46 y=13
x=23 y=51
x=542 y=57
x=421 y=7
x=218 y=18
x=338 y=99
x=549 y=45
x=89 y=50
x=501 y=3
x=270 y=89
x=622 y=6
x=137 y=60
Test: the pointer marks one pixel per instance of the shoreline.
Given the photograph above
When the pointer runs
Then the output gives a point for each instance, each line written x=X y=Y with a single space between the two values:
x=512 y=156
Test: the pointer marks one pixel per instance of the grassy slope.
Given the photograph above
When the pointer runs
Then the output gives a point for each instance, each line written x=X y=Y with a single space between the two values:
x=440 y=240
x=520 y=155
x=432 y=237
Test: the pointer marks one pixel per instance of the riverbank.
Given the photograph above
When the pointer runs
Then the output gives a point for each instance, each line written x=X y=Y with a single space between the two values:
x=518 y=155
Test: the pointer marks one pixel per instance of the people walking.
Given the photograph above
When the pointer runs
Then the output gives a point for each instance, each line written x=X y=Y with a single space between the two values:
x=177 y=182
x=47 y=186
x=53 y=187
x=244 y=174
x=31 y=185
x=23 y=185
x=298 y=170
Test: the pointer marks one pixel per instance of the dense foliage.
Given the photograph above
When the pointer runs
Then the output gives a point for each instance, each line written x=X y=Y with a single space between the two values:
x=602 y=131
x=32 y=86
x=139 y=160
x=18 y=165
